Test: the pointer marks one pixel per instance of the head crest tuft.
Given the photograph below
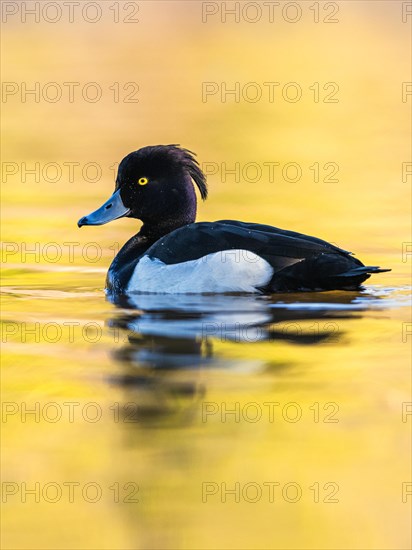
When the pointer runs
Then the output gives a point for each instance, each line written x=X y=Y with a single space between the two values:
x=188 y=160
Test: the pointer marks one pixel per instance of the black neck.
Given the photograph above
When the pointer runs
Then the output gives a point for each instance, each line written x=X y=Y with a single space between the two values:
x=153 y=231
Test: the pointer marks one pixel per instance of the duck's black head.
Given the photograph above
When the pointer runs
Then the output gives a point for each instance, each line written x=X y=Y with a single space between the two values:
x=155 y=185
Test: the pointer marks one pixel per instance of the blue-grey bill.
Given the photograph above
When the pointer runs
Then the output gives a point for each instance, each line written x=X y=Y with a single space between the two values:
x=110 y=210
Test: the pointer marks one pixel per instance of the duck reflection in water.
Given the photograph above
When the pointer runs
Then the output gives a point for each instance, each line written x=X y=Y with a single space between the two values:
x=166 y=343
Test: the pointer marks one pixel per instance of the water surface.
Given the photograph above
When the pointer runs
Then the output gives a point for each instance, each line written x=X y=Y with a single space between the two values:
x=267 y=420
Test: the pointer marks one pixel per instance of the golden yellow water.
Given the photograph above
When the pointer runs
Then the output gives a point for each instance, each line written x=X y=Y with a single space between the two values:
x=131 y=443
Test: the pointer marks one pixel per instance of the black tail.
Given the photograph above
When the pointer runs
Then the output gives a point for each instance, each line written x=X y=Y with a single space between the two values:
x=354 y=277
x=324 y=272
x=363 y=270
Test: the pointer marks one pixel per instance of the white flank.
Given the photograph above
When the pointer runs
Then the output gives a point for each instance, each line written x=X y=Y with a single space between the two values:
x=224 y=271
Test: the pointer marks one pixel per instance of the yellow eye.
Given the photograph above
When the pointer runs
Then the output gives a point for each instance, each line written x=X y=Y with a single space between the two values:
x=143 y=181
